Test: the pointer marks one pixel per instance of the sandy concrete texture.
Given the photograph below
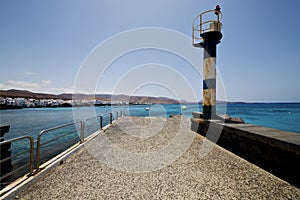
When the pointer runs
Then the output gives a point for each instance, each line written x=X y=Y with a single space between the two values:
x=156 y=158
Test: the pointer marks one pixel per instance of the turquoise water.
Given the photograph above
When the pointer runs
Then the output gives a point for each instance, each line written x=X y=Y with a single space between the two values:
x=30 y=121
x=283 y=116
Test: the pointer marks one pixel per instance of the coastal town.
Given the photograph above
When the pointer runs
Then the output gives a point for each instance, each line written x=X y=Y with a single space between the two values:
x=15 y=99
x=19 y=102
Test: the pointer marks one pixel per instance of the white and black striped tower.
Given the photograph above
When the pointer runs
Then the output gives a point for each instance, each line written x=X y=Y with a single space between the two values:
x=210 y=36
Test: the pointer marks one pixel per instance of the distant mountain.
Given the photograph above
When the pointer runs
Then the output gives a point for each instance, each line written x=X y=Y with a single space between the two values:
x=27 y=94
x=104 y=97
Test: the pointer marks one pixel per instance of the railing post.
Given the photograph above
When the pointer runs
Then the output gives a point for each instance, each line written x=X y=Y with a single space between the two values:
x=117 y=115
x=101 y=122
x=81 y=131
x=6 y=171
x=201 y=24
x=110 y=118
x=31 y=155
x=38 y=151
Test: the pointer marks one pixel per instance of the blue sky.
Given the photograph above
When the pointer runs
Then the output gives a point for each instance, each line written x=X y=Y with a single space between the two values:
x=43 y=44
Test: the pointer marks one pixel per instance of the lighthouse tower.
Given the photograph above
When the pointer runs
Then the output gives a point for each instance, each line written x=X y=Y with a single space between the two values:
x=207 y=34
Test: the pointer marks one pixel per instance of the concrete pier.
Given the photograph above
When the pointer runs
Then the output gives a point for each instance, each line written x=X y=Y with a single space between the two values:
x=217 y=175
x=276 y=151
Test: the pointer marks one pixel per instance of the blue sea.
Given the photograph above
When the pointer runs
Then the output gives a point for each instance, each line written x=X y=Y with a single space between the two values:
x=282 y=116
x=31 y=121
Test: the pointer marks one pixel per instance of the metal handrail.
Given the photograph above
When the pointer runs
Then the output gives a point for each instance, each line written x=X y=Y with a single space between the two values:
x=38 y=148
x=39 y=143
x=82 y=136
x=31 y=163
x=100 y=121
x=56 y=138
x=110 y=118
x=198 y=28
x=101 y=118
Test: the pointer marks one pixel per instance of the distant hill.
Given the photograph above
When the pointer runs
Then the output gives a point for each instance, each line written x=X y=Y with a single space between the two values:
x=27 y=94
x=104 y=97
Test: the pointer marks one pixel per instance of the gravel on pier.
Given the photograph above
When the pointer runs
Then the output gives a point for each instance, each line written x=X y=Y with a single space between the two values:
x=156 y=158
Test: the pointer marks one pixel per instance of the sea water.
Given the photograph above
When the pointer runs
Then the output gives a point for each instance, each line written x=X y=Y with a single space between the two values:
x=282 y=116
x=31 y=121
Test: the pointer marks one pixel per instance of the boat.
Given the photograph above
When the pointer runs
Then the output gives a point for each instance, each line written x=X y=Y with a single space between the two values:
x=148 y=106
x=183 y=107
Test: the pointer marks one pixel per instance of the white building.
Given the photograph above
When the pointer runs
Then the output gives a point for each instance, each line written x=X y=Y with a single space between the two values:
x=20 y=102
x=32 y=103
x=2 y=100
x=45 y=102
x=9 y=101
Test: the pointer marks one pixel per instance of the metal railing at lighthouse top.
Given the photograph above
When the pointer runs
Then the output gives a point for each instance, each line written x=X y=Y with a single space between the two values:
x=206 y=22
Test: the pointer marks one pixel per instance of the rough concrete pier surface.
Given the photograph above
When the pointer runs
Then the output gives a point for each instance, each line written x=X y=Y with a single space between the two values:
x=156 y=158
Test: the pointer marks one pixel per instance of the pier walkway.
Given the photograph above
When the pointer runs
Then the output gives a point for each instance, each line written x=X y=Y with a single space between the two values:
x=156 y=158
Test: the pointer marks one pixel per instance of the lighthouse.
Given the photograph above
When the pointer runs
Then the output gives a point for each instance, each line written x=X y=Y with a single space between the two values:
x=207 y=34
